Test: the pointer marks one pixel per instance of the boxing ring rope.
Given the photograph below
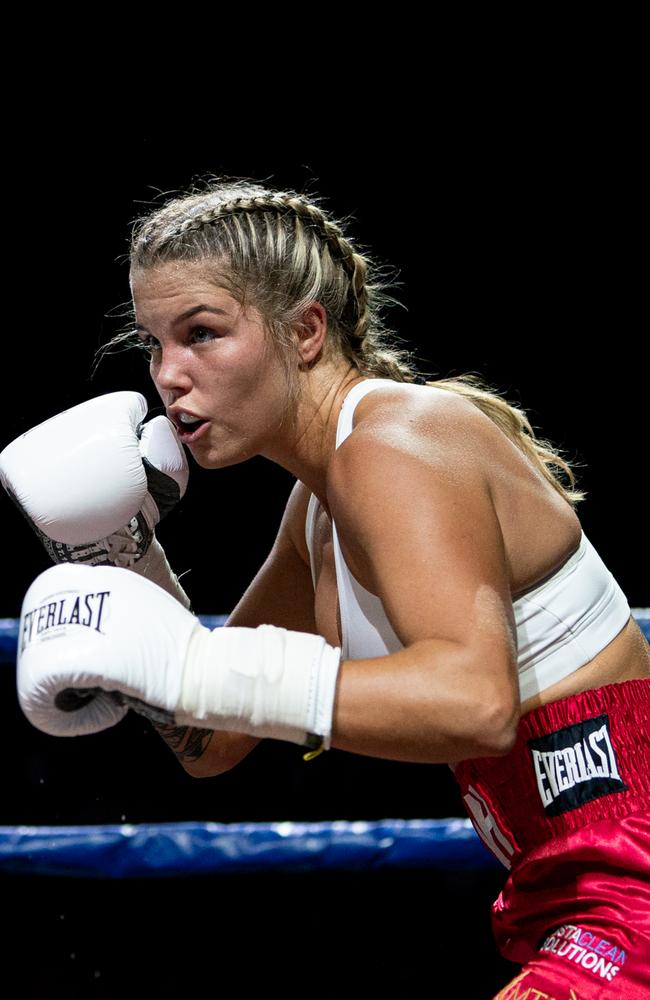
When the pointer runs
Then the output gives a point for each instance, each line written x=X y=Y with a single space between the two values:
x=167 y=849
x=183 y=849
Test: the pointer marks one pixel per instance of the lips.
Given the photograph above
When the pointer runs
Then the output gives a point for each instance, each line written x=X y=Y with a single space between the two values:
x=189 y=434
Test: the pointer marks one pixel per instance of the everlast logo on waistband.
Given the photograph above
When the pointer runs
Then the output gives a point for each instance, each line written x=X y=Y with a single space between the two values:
x=73 y=609
x=575 y=765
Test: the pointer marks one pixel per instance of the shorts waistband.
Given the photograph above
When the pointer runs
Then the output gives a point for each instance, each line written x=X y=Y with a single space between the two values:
x=575 y=761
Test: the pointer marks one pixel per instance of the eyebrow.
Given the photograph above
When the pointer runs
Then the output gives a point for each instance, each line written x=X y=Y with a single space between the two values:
x=190 y=312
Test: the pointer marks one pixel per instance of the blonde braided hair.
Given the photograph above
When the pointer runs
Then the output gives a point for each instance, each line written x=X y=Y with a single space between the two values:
x=281 y=251
x=303 y=240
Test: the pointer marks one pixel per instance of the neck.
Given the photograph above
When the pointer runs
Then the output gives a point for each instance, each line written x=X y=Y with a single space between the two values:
x=307 y=449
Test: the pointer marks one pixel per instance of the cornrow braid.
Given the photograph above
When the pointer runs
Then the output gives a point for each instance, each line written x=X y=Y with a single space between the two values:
x=331 y=235
x=356 y=314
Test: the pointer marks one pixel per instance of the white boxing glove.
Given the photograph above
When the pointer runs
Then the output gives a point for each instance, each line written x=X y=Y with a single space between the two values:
x=94 y=641
x=94 y=481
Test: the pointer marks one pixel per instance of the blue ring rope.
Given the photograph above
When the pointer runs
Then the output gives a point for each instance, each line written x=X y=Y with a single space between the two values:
x=184 y=849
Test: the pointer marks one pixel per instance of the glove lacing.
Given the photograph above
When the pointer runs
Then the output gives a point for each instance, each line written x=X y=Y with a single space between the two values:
x=122 y=548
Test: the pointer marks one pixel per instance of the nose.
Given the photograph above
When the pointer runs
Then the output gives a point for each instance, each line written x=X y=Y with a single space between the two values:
x=169 y=371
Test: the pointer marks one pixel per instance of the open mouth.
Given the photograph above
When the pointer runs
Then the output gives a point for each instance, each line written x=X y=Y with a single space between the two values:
x=190 y=432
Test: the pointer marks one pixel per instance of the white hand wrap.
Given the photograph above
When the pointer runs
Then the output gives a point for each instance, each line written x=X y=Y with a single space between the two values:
x=265 y=681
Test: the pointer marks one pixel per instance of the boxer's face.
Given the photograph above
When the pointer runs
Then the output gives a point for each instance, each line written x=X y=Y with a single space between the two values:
x=218 y=363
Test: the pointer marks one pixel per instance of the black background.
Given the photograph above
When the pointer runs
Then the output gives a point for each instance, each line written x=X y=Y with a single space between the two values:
x=513 y=219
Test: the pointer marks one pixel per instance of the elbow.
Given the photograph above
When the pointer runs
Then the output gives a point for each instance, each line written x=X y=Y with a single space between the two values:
x=505 y=740
x=498 y=730
x=224 y=752
x=206 y=769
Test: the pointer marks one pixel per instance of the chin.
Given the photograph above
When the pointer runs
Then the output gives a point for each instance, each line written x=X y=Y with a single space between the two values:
x=205 y=460
x=208 y=458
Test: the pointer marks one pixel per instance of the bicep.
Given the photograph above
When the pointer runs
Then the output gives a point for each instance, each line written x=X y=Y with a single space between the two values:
x=421 y=523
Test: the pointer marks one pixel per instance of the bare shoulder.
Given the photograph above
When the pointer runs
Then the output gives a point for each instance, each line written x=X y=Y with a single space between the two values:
x=402 y=422
x=403 y=413
x=417 y=458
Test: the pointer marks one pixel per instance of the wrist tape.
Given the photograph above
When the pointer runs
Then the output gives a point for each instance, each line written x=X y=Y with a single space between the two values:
x=264 y=681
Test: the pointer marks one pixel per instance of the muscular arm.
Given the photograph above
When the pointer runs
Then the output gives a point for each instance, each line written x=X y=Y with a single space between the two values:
x=417 y=525
x=281 y=594
x=429 y=704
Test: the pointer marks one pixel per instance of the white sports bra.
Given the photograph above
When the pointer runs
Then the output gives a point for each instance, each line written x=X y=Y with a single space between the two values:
x=561 y=624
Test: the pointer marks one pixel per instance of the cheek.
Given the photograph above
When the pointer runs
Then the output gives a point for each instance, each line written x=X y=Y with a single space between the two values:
x=256 y=365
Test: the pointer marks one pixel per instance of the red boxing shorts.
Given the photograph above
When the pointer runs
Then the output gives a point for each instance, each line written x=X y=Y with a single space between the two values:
x=568 y=812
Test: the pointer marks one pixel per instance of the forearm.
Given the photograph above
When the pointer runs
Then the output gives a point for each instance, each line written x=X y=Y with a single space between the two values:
x=434 y=701
x=205 y=753
x=427 y=703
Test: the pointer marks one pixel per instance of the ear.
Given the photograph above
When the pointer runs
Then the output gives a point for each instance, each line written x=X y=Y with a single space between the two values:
x=311 y=332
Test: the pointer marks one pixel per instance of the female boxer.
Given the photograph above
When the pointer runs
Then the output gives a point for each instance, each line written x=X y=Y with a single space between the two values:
x=430 y=596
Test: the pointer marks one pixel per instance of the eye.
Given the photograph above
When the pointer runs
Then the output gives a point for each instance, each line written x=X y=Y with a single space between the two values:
x=202 y=333
x=198 y=334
